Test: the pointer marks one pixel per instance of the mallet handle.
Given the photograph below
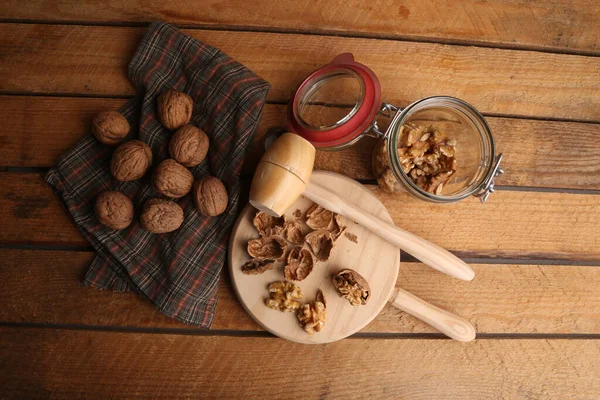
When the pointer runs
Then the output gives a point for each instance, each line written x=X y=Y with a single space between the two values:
x=427 y=252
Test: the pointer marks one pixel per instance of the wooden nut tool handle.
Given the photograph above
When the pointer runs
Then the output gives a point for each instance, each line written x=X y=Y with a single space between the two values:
x=425 y=251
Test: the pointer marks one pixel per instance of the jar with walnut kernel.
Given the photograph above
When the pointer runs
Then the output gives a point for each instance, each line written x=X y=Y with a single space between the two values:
x=438 y=149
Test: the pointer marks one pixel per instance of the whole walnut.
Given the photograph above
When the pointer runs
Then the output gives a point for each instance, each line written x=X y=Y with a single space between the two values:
x=189 y=145
x=174 y=109
x=210 y=196
x=130 y=161
x=161 y=216
x=110 y=127
x=172 y=179
x=114 y=210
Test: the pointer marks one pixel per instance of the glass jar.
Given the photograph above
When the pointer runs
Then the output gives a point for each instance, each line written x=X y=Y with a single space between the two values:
x=432 y=140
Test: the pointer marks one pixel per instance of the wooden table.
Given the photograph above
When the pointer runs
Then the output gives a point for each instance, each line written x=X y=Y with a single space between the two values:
x=532 y=69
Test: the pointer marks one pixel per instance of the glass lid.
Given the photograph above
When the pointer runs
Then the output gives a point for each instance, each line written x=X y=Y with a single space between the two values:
x=335 y=104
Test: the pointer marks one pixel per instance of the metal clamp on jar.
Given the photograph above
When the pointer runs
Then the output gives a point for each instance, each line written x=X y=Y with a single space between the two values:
x=439 y=148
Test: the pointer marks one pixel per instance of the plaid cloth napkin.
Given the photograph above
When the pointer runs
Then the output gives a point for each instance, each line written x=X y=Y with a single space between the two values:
x=177 y=271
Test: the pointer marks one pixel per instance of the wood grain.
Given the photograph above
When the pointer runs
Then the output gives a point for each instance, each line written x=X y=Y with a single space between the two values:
x=67 y=364
x=528 y=225
x=557 y=25
x=550 y=154
x=93 y=60
x=44 y=287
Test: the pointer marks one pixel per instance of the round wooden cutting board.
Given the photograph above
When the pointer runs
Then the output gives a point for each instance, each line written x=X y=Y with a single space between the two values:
x=374 y=258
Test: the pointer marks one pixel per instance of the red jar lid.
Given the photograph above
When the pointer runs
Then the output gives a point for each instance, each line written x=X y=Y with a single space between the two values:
x=336 y=103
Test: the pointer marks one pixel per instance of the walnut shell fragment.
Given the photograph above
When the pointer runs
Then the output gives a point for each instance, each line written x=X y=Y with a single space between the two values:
x=320 y=243
x=174 y=109
x=210 y=196
x=318 y=217
x=110 y=127
x=189 y=145
x=299 y=264
x=114 y=210
x=130 y=161
x=292 y=232
x=284 y=296
x=272 y=248
x=161 y=216
x=312 y=316
x=268 y=225
x=352 y=286
x=255 y=267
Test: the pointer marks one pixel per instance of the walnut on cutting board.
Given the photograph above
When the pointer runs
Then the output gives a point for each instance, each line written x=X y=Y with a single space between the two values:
x=312 y=316
x=268 y=225
x=255 y=267
x=300 y=264
x=352 y=286
x=284 y=296
x=320 y=243
x=271 y=248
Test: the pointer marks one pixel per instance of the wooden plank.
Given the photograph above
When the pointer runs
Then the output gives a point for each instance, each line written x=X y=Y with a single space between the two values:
x=93 y=60
x=43 y=287
x=548 y=154
x=67 y=364
x=530 y=225
x=557 y=25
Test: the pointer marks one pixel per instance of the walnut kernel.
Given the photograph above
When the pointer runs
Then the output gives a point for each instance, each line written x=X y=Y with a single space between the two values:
x=284 y=296
x=312 y=316
x=352 y=286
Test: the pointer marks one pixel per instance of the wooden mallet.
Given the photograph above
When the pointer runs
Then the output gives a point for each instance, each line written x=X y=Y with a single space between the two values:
x=283 y=175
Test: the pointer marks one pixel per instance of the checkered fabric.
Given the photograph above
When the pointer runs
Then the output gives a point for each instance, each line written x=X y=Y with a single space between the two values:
x=177 y=271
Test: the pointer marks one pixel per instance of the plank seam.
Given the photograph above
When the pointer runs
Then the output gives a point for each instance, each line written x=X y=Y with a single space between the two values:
x=277 y=102
x=265 y=334
x=324 y=32
x=404 y=256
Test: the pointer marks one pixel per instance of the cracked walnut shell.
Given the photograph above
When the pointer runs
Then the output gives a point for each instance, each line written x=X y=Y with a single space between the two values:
x=320 y=243
x=161 y=216
x=189 y=146
x=172 y=179
x=210 y=196
x=114 y=210
x=255 y=267
x=272 y=248
x=352 y=286
x=130 y=161
x=110 y=127
x=318 y=217
x=312 y=316
x=292 y=232
x=174 y=109
x=299 y=264
x=284 y=296
x=268 y=225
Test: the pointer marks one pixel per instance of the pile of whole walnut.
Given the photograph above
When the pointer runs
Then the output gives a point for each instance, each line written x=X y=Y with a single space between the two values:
x=283 y=240
x=171 y=178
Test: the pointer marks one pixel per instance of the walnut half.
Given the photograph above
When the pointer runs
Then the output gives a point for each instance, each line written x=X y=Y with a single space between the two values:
x=321 y=244
x=272 y=248
x=312 y=316
x=352 y=286
x=299 y=264
x=284 y=296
